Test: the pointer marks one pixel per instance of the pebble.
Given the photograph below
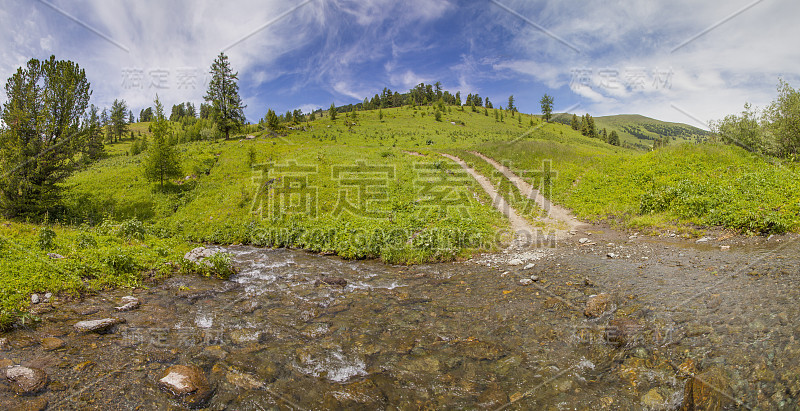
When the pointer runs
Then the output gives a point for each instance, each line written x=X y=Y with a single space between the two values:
x=724 y=247
x=34 y=298
x=55 y=256
x=529 y=266
x=534 y=278
x=583 y=240
x=515 y=262
x=47 y=297
x=612 y=255
x=525 y=281
x=4 y=344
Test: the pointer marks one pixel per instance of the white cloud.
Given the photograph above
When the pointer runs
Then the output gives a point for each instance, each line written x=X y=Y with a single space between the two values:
x=739 y=60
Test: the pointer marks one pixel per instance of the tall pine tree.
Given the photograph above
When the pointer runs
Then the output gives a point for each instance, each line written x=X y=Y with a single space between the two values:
x=223 y=95
x=42 y=134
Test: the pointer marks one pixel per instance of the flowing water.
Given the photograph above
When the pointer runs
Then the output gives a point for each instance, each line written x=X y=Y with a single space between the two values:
x=441 y=336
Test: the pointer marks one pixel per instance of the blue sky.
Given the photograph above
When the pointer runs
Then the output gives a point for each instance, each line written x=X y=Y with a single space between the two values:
x=682 y=60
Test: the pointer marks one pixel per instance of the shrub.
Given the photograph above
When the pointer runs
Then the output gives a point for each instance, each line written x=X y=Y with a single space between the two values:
x=132 y=229
x=47 y=238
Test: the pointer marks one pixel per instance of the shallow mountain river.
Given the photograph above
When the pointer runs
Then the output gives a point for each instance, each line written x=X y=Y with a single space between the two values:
x=295 y=330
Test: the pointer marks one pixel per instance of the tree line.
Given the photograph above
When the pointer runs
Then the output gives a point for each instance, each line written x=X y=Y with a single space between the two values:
x=772 y=131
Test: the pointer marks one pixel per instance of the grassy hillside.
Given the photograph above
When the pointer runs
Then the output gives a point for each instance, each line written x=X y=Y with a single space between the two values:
x=640 y=132
x=376 y=187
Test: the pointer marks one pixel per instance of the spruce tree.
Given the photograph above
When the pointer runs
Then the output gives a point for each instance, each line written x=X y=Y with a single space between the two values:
x=547 y=107
x=162 y=160
x=332 y=112
x=223 y=95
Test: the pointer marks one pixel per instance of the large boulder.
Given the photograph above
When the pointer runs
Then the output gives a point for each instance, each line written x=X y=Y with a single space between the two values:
x=188 y=384
x=98 y=326
x=25 y=380
x=708 y=391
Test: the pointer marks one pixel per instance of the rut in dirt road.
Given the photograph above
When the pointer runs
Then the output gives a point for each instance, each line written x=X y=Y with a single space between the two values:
x=524 y=233
x=555 y=213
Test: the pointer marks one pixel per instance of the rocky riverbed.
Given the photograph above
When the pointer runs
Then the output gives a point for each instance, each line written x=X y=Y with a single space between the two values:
x=603 y=321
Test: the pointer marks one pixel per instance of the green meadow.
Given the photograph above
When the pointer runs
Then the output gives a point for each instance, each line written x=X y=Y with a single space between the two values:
x=374 y=187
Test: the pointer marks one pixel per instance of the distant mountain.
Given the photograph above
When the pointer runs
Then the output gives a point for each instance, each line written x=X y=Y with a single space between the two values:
x=640 y=131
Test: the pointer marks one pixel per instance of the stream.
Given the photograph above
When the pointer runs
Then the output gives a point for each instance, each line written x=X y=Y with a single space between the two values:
x=296 y=330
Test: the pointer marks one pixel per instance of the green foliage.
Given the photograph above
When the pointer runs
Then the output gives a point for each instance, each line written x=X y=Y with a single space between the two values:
x=332 y=112
x=162 y=160
x=42 y=134
x=118 y=119
x=132 y=229
x=47 y=238
x=783 y=120
x=613 y=138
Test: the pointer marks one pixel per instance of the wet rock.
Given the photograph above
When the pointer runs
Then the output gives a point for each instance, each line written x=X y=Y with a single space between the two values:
x=246 y=335
x=479 y=350
x=337 y=281
x=515 y=262
x=243 y=380
x=55 y=256
x=129 y=303
x=554 y=303
x=33 y=404
x=52 y=343
x=187 y=384
x=623 y=331
x=248 y=307
x=41 y=308
x=215 y=351
x=708 y=390
x=86 y=310
x=98 y=326
x=598 y=305
x=24 y=380
x=492 y=397
x=653 y=399
x=356 y=395
x=426 y=365
x=200 y=255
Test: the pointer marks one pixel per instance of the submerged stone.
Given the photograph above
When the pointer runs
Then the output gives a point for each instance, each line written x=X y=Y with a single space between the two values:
x=24 y=380
x=187 y=384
